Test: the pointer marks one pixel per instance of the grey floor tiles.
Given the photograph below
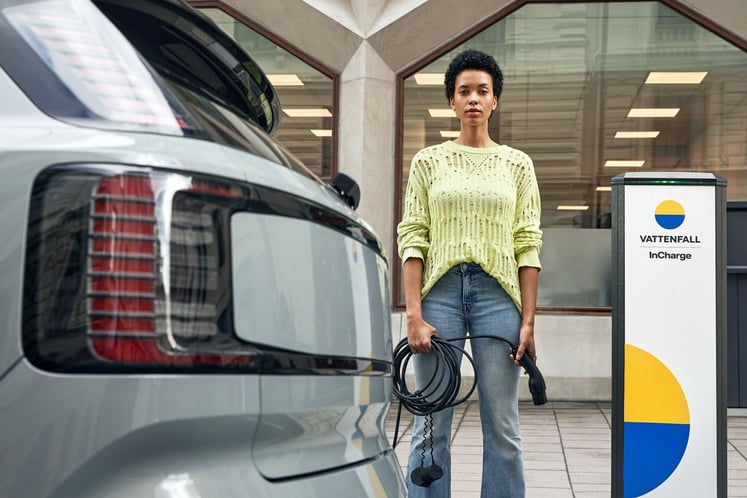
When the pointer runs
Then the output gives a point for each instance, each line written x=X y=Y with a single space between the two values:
x=567 y=450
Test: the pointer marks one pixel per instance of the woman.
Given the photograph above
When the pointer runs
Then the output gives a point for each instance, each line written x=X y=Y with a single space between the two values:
x=469 y=240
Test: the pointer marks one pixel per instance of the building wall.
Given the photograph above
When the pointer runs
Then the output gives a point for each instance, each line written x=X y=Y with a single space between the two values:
x=369 y=42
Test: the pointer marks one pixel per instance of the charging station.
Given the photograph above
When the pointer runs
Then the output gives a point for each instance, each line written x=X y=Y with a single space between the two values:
x=669 y=335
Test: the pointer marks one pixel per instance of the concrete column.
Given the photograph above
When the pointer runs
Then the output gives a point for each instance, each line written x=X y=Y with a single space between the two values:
x=366 y=136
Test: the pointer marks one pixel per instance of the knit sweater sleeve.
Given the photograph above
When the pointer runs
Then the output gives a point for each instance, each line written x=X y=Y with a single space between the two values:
x=413 y=232
x=527 y=233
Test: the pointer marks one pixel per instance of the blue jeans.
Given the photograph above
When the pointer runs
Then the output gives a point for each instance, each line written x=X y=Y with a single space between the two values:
x=468 y=300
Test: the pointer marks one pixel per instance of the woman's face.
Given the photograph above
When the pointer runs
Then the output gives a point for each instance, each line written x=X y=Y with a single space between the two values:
x=473 y=100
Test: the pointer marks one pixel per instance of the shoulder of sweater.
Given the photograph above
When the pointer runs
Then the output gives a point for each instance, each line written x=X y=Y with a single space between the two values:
x=520 y=155
x=426 y=158
x=431 y=150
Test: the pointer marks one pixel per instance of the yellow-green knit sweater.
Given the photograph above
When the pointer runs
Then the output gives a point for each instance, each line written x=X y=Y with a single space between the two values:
x=472 y=205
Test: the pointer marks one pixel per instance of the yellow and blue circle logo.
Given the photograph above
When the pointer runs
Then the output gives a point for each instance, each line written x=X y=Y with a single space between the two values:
x=669 y=214
x=656 y=424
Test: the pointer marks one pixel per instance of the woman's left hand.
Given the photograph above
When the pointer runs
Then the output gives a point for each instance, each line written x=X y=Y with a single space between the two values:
x=526 y=343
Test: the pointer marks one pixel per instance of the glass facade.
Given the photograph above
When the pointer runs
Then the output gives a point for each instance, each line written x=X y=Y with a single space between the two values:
x=592 y=90
x=306 y=95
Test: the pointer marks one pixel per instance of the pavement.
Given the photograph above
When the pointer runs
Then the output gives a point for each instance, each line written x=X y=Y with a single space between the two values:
x=567 y=449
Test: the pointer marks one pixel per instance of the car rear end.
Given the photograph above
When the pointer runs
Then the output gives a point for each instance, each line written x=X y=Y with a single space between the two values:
x=187 y=311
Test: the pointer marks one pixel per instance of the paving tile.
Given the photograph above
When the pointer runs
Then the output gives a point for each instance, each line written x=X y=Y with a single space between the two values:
x=547 y=478
x=546 y=493
x=590 y=478
x=549 y=439
x=592 y=488
x=735 y=491
x=543 y=465
x=544 y=457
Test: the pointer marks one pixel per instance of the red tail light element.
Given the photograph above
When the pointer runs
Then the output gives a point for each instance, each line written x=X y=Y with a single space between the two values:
x=131 y=270
x=122 y=270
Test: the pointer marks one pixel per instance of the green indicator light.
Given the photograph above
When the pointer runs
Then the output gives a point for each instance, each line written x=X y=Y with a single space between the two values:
x=684 y=182
x=713 y=180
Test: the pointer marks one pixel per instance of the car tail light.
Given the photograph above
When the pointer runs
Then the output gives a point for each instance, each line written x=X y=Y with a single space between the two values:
x=96 y=63
x=129 y=268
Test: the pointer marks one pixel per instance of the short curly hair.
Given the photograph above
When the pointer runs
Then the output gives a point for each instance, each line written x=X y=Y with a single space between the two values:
x=473 y=59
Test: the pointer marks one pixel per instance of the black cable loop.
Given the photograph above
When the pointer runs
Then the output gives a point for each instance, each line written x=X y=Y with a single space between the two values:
x=442 y=388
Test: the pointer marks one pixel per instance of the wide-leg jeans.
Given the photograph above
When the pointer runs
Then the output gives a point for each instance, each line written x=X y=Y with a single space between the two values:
x=466 y=300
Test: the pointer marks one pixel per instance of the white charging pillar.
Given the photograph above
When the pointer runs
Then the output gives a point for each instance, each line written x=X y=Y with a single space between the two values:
x=669 y=335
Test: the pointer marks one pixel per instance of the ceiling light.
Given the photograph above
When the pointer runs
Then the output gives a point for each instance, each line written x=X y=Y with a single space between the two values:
x=637 y=134
x=449 y=133
x=322 y=133
x=284 y=80
x=604 y=188
x=429 y=78
x=624 y=164
x=572 y=207
x=675 y=78
x=442 y=113
x=644 y=112
x=308 y=113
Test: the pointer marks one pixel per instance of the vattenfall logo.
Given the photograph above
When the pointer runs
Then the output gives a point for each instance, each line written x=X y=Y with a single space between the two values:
x=669 y=214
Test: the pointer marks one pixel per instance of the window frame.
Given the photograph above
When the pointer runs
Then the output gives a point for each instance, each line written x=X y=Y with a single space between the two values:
x=396 y=263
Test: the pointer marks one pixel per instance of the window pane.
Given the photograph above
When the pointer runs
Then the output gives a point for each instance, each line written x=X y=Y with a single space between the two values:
x=306 y=95
x=572 y=74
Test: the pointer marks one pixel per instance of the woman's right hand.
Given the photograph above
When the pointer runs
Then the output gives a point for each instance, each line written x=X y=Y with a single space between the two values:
x=419 y=334
x=419 y=331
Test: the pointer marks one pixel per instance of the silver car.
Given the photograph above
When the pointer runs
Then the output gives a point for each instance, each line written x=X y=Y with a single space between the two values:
x=186 y=310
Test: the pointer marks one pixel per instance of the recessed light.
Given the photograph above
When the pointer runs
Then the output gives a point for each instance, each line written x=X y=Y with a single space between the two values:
x=308 y=113
x=572 y=207
x=604 y=188
x=429 y=78
x=449 y=133
x=675 y=78
x=284 y=80
x=322 y=133
x=624 y=164
x=645 y=112
x=637 y=134
x=442 y=113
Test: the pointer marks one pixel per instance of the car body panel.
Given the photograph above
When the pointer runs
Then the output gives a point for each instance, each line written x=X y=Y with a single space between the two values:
x=326 y=422
x=53 y=424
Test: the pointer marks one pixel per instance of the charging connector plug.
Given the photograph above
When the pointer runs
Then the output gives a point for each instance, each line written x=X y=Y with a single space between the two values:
x=536 y=380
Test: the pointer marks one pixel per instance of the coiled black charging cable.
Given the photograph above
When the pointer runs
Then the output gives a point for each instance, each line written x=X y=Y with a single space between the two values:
x=442 y=389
